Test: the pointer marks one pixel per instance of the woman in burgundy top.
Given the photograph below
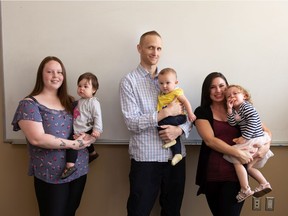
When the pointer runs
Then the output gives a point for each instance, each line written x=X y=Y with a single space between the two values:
x=215 y=176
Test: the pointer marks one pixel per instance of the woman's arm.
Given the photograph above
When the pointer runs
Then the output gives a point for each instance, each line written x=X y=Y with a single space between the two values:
x=207 y=134
x=35 y=134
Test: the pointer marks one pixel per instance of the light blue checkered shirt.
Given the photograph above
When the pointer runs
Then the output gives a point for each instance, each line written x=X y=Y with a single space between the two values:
x=138 y=96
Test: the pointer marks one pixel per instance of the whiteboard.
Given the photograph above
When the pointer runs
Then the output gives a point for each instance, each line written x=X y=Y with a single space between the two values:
x=246 y=41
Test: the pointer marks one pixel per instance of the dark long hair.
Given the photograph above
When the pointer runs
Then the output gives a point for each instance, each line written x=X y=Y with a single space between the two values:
x=90 y=77
x=65 y=99
x=205 y=96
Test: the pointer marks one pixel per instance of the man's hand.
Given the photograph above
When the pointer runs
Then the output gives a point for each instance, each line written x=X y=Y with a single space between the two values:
x=175 y=108
x=169 y=132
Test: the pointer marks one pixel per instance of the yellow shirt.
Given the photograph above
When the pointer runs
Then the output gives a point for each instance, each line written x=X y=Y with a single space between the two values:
x=165 y=99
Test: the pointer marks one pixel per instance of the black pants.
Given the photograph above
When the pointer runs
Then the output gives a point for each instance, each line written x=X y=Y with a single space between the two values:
x=59 y=199
x=71 y=154
x=147 y=179
x=175 y=121
x=221 y=198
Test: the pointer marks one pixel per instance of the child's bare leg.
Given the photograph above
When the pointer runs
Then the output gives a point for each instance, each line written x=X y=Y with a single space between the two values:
x=255 y=173
x=264 y=186
x=69 y=164
x=245 y=190
x=242 y=176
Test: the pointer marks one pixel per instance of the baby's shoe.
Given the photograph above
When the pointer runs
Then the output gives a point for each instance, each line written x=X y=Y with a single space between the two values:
x=176 y=159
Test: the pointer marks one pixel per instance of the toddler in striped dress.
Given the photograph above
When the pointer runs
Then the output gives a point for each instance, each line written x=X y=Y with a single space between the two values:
x=240 y=111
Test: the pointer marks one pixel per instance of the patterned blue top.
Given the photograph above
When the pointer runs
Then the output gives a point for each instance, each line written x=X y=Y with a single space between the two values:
x=48 y=164
x=138 y=97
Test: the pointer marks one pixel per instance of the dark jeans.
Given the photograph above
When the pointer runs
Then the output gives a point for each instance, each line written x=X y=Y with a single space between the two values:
x=175 y=121
x=147 y=179
x=221 y=198
x=59 y=199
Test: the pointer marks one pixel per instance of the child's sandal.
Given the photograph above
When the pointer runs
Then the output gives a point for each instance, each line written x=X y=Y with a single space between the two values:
x=262 y=189
x=93 y=157
x=68 y=172
x=242 y=195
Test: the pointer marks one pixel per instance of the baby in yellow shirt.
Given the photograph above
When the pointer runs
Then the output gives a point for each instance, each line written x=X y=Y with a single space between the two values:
x=167 y=79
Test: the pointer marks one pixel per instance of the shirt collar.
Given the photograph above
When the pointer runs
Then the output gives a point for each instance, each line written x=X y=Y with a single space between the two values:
x=143 y=72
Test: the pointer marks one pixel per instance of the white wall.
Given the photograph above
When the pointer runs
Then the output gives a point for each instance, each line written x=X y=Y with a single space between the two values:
x=246 y=41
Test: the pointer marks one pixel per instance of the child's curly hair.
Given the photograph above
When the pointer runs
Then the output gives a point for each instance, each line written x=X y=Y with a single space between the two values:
x=242 y=90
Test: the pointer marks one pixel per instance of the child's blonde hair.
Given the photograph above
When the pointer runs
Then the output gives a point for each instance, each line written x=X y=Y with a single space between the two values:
x=242 y=90
x=167 y=70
